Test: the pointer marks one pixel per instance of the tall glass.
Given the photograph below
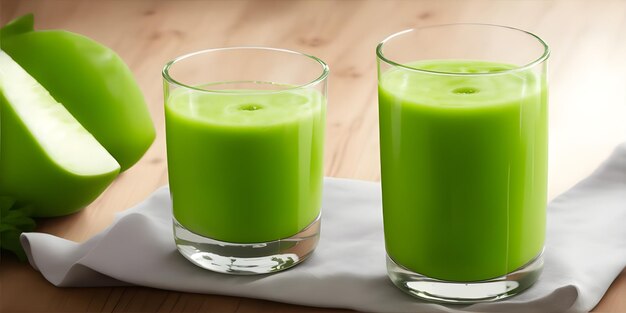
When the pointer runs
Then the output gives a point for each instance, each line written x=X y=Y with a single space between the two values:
x=245 y=137
x=463 y=135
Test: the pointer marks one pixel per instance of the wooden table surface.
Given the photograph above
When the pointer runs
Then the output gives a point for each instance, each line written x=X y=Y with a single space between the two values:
x=587 y=104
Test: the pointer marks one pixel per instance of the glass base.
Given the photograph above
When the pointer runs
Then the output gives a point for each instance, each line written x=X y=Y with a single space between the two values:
x=443 y=291
x=246 y=258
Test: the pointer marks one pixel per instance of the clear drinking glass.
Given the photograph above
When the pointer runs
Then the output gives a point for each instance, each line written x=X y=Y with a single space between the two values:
x=245 y=137
x=463 y=135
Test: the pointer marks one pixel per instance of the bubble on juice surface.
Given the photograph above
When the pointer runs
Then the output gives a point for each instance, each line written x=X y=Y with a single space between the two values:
x=250 y=107
x=465 y=90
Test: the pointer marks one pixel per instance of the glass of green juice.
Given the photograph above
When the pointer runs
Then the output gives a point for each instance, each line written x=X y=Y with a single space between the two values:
x=463 y=146
x=245 y=137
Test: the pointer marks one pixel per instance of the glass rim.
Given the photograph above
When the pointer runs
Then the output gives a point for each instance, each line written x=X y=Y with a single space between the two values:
x=166 y=70
x=544 y=56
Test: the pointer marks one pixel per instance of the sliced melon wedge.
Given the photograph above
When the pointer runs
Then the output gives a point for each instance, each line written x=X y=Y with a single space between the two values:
x=47 y=158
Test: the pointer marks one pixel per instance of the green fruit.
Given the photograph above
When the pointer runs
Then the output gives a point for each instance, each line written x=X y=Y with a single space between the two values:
x=48 y=159
x=90 y=80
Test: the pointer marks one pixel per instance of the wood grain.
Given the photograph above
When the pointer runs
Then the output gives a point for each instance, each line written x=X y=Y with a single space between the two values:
x=588 y=103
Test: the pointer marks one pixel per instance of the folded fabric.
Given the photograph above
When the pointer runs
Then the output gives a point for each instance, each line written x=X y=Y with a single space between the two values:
x=585 y=251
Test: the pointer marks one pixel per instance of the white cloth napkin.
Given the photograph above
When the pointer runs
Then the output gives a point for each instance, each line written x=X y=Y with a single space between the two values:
x=585 y=251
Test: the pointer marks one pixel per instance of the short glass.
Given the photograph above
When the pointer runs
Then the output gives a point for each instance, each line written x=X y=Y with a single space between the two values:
x=245 y=137
x=463 y=139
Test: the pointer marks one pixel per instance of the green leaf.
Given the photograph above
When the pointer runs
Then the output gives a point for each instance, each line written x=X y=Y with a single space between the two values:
x=18 y=219
x=7 y=227
x=22 y=24
x=10 y=240
x=5 y=204
x=14 y=220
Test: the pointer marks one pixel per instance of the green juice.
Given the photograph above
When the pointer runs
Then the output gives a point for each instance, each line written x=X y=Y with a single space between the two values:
x=464 y=168
x=247 y=166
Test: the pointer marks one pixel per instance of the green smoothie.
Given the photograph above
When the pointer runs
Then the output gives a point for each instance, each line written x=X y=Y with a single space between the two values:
x=246 y=166
x=464 y=168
